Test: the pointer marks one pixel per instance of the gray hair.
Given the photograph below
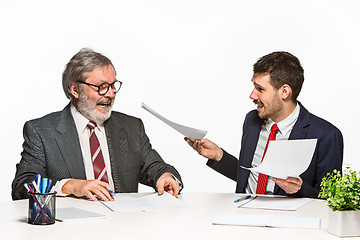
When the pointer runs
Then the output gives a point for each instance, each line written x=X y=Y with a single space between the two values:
x=79 y=65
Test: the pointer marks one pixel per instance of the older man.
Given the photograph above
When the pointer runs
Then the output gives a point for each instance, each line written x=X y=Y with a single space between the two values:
x=87 y=147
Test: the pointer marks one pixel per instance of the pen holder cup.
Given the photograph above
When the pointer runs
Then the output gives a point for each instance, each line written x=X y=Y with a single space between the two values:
x=41 y=208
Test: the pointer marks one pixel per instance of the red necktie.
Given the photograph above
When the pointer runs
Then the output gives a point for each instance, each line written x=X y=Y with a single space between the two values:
x=261 y=186
x=96 y=155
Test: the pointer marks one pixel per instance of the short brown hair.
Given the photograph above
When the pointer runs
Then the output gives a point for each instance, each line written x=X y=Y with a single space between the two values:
x=284 y=68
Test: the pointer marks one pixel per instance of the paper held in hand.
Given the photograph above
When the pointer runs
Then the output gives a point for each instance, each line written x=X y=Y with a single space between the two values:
x=188 y=132
x=286 y=158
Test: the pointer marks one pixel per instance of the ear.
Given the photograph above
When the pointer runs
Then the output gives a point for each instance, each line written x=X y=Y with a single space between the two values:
x=74 y=90
x=285 y=92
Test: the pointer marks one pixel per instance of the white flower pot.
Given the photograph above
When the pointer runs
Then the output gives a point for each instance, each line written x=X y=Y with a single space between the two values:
x=344 y=223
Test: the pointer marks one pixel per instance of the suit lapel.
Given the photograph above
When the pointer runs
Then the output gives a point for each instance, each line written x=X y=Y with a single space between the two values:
x=68 y=142
x=248 y=145
x=252 y=141
x=117 y=148
x=300 y=129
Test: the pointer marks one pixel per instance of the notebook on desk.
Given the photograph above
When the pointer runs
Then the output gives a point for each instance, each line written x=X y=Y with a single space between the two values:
x=76 y=214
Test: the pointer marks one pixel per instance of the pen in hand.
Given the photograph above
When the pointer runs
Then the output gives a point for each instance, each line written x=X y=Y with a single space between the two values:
x=111 y=191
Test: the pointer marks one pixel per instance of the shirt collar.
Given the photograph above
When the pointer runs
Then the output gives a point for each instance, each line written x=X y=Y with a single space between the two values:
x=287 y=124
x=81 y=121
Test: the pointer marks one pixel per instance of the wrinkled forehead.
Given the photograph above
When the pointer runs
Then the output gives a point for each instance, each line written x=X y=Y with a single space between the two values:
x=108 y=67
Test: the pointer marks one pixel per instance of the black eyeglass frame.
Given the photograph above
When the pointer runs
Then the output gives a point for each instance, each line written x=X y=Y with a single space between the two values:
x=99 y=86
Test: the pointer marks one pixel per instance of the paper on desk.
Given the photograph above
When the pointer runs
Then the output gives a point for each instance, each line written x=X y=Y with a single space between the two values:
x=76 y=214
x=152 y=202
x=188 y=132
x=276 y=203
x=286 y=158
x=267 y=221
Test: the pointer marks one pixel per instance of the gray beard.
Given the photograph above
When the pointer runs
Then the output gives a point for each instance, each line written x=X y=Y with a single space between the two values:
x=89 y=111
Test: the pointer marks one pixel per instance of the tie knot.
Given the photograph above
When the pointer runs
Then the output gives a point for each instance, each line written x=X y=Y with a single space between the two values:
x=274 y=128
x=91 y=125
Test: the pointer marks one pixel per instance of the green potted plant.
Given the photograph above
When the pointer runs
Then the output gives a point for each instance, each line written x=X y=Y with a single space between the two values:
x=342 y=194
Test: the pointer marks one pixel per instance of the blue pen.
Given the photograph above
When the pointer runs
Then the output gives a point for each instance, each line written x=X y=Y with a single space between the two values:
x=44 y=185
x=48 y=186
x=243 y=198
x=111 y=191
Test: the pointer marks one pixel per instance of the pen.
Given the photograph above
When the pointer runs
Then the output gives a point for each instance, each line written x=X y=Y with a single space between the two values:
x=54 y=187
x=37 y=190
x=26 y=186
x=48 y=186
x=243 y=198
x=44 y=185
x=38 y=182
x=111 y=191
x=31 y=190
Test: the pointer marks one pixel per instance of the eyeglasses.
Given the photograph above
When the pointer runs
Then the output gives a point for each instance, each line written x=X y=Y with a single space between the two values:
x=104 y=87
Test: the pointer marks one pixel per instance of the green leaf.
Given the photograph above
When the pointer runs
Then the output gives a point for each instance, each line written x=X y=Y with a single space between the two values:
x=341 y=192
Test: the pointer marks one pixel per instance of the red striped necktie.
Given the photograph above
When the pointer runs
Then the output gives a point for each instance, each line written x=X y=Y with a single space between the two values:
x=261 y=186
x=96 y=155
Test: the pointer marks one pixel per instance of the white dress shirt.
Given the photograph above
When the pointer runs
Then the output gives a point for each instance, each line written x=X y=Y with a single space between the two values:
x=84 y=136
x=285 y=126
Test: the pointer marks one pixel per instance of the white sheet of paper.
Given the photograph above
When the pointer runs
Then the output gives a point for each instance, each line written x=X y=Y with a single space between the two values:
x=188 y=132
x=276 y=203
x=76 y=214
x=152 y=202
x=267 y=221
x=286 y=158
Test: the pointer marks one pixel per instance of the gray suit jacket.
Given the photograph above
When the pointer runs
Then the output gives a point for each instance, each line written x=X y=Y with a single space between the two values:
x=51 y=147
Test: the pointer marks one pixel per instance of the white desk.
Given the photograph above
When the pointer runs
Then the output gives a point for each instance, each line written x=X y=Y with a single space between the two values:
x=194 y=223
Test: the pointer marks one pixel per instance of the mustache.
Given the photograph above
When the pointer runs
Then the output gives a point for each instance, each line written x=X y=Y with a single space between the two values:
x=108 y=101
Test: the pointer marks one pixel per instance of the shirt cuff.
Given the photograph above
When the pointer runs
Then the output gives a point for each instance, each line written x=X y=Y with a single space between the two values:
x=178 y=181
x=58 y=189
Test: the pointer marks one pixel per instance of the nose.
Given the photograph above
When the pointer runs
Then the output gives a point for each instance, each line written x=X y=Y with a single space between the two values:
x=253 y=95
x=110 y=93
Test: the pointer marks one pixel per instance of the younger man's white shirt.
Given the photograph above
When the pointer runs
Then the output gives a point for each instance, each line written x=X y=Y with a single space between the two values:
x=285 y=126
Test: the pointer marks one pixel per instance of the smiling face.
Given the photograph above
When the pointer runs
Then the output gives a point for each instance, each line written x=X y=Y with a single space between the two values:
x=88 y=101
x=268 y=100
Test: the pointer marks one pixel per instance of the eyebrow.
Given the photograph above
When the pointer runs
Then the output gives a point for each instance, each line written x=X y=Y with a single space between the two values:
x=255 y=83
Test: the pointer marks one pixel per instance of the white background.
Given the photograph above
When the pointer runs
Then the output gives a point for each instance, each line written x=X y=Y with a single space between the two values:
x=189 y=60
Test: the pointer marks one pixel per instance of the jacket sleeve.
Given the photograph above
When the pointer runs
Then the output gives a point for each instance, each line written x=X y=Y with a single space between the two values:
x=32 y=162
x=152 y=165
x=227 y=165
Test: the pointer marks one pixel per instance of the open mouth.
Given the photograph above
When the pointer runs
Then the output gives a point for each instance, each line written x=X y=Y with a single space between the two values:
x=104 y=104
x=259 y=105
